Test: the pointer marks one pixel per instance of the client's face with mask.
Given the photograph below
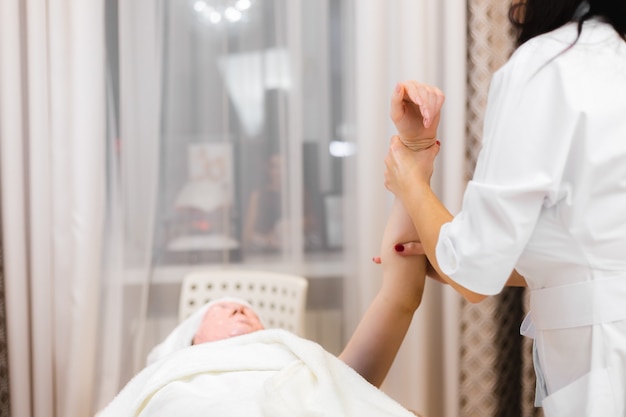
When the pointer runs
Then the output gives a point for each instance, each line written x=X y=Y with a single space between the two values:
x=227 y=319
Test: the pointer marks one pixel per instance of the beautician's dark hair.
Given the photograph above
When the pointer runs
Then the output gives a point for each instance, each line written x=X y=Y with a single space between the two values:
x=535 y=17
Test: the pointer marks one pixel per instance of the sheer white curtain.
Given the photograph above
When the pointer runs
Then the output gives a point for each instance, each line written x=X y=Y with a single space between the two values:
x=52 y=130
x=398 y=40
x=134 y=120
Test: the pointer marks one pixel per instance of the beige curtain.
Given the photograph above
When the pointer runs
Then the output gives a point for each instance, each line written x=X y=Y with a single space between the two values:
x=52 y=127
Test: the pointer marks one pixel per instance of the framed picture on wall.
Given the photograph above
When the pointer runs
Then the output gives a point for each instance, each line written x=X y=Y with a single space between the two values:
x=202 y=221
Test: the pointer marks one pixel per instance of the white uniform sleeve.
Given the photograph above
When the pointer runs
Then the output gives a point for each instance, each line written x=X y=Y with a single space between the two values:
x=528 y=129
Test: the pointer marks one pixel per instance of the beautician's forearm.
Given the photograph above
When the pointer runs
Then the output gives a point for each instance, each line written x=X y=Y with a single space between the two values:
x=428 y=215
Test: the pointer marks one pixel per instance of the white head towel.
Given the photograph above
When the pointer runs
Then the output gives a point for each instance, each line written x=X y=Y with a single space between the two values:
x=183 y=334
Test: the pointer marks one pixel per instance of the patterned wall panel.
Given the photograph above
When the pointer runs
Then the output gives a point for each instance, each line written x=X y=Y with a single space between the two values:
x=497 y=378
x=490 y=43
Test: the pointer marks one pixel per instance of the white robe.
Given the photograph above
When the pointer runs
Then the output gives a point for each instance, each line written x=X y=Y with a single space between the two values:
x=548 y=198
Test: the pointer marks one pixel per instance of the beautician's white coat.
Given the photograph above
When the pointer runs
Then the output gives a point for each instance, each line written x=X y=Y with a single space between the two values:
x=548 y=198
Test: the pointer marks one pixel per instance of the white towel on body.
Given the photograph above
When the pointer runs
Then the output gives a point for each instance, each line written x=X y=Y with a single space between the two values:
x=270 y=373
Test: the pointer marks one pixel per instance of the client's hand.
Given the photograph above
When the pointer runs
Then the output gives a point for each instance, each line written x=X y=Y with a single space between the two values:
x=415 y=111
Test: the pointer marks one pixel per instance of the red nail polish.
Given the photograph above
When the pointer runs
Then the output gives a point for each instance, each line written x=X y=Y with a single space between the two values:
x=438 y=143
x=399 y=247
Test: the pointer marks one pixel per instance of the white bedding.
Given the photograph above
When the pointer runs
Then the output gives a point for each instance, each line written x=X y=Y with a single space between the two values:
x=270 y=373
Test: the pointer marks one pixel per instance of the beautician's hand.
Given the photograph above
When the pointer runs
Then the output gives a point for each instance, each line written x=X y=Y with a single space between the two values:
x=405 y=249
x=415 y=111
x=412 y=249
x=406 y=169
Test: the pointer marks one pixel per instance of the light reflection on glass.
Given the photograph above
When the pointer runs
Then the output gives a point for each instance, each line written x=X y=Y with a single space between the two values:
x=199 y=6
x=243 y=5
x=341 y=149
x=232 y=15
x=214 y=11
x=214 y=17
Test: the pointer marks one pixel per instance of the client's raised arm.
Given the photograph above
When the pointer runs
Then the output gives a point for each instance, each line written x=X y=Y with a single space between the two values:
x=374 y=344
